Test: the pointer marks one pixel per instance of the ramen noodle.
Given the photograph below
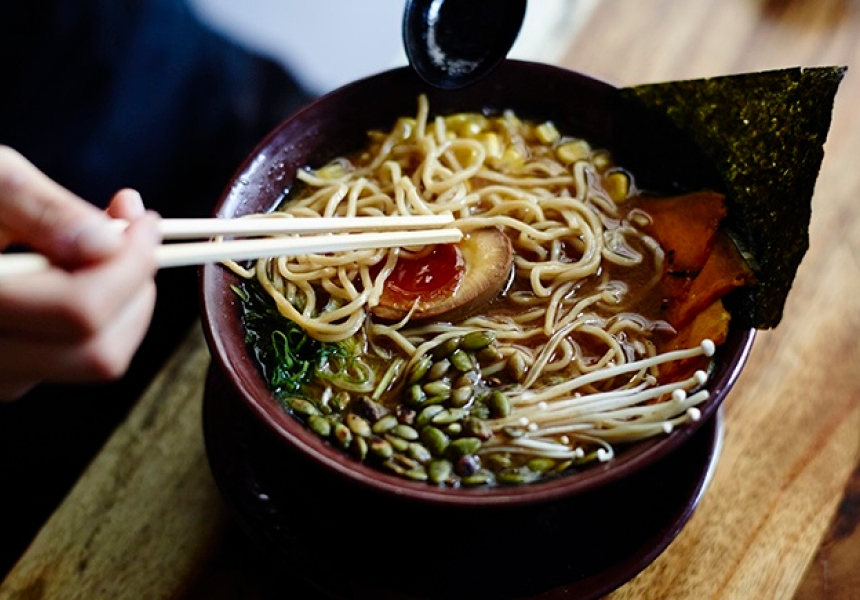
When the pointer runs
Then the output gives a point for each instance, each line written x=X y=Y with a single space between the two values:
x=564 y=352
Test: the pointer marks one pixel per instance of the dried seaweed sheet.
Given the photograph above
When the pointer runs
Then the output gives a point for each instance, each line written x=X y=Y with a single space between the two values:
x=765 y=133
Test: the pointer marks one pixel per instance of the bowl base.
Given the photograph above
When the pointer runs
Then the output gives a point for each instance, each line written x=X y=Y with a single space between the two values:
x=342 y=541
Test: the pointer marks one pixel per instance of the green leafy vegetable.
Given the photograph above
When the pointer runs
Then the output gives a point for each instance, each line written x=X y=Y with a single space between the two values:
x=288 y=355
x=765 y=133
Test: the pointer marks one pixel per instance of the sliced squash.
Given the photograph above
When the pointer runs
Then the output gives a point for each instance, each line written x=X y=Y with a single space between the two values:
x=685 y=226
x=724 y=270
x=711 y=323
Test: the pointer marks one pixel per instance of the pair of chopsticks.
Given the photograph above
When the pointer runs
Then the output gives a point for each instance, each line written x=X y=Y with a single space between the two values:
x=270 y=237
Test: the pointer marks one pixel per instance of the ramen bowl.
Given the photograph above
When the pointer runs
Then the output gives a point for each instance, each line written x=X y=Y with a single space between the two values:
x=377 y=534
x=660 y=157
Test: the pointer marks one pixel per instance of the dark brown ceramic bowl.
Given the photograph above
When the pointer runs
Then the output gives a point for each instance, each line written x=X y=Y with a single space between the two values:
x=661 y=159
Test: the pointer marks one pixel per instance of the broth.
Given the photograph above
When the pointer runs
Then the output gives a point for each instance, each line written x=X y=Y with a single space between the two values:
x=567 y=361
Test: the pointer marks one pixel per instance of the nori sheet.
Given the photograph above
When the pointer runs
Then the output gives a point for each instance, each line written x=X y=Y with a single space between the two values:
x=765 y=133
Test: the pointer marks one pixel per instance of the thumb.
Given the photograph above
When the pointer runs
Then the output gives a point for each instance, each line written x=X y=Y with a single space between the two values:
x=39 y=213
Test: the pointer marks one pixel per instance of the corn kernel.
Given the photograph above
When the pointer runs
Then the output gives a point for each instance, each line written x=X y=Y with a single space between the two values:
x=511 y=119
x=570 y=152
x=601 y=161
x=511 y=158
x=546 y=132
x=467 y=125
x=492 y=144
x=617 y=185
x=474 y=127
x=465 y=156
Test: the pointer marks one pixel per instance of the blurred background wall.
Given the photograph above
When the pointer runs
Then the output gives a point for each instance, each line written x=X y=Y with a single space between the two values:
x=327 y=43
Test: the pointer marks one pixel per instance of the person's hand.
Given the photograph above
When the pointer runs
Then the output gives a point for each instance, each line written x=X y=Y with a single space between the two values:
x=83 y=319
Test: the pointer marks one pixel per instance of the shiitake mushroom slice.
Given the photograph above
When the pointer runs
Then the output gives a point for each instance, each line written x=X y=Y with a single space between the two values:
x=450 y=282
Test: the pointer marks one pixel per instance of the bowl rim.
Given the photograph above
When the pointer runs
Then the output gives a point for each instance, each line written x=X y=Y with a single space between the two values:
x=241 y=368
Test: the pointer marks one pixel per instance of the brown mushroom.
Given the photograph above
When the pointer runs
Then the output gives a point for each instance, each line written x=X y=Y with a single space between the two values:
x=448 y=282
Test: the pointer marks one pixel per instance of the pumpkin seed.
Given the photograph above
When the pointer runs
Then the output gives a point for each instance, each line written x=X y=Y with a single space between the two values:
x=463 y=446
x=562 y=466
x=419 y=369
x=498 y=460
x=419 y=453
x=415 y=396
x=427 y=413
x=358 y=425
x=482 y=477
x=540 y=464
x=516 y=366
x=446 y=347
x=342 y=434
x=461 y=396
x=405 y=431
x=515 y=476
x=405 y=461
x=438 y=370
x=302 y=407
x=449 y=415
x=440 y=470
x=461 y=361
x=435 y=400
x=359 y=447
x=489 y=355
x=380 y=448
x=499 y=404
x=397 y=442
x=384 y=424
x=477 y=340
x=392 y=465
x=435 y=440
x=438 y=388
x=319 y=425
x=454 y=429
x=416 y=474
x=478 y=428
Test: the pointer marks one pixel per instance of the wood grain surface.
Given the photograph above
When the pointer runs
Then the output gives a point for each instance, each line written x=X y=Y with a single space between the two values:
x=780 y=519
x=145 y=514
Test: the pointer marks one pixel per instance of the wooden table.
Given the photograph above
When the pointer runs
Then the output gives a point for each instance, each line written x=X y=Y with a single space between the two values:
x=780 y=519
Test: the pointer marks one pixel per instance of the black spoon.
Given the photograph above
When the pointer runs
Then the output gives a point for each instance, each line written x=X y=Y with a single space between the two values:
x=452 y=43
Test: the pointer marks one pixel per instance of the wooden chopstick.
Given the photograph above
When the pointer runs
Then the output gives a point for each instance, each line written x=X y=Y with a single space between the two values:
x=198 y=253
x=186 y=229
